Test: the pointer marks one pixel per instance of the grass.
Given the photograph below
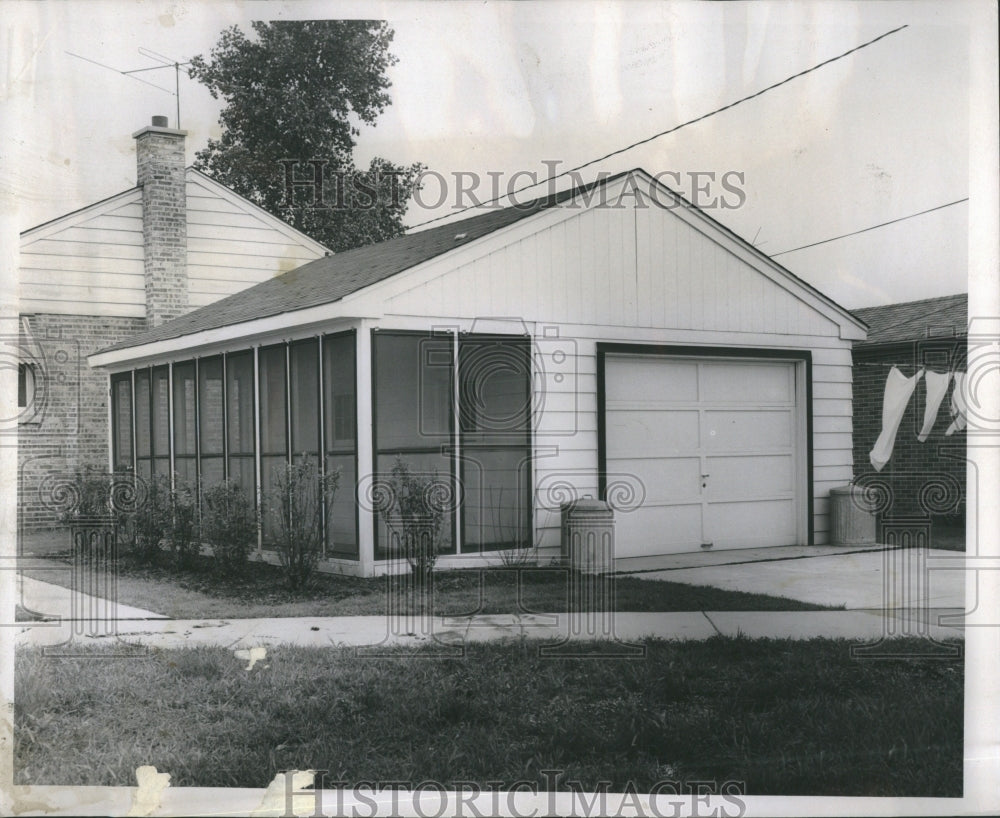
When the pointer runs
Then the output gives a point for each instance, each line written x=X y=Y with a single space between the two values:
x=261 y=592
x=790 y=718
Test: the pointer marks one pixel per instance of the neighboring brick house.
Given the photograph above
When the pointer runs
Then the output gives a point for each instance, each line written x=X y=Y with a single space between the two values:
x=926 y=479
x=176 y=241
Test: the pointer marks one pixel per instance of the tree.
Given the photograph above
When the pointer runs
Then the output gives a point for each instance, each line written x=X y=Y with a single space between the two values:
x=300 y=91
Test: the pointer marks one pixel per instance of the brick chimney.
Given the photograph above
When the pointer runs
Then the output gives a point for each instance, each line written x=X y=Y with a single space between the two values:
x=159 y=152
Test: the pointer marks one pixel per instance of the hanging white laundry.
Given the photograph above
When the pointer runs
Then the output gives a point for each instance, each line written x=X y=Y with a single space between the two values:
x=959 y=408
x=937 y=388
x=898 y=389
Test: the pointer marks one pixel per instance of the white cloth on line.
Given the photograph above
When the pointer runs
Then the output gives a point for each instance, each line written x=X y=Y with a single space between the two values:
x=898 y=389
x=959 y=408
x=937 y=387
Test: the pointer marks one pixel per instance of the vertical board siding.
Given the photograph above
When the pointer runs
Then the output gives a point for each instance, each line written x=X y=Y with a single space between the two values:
x=621 y=268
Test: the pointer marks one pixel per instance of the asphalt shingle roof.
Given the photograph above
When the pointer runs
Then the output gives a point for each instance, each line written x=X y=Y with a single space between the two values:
x=334 y=277
x=944 y=317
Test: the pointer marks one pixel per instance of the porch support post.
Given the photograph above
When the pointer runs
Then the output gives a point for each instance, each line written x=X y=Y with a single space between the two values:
x=366 y=458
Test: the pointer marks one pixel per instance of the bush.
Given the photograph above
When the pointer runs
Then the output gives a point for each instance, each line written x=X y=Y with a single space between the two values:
x=145 y=527
x=229 y=524
x=89 y=494
x=298 y=502
x=414 y=518
x=182 y=525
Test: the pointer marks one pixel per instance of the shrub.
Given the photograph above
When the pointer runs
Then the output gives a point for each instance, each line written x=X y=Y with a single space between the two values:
x=182 y=525
x=414 y=518
x=298 y=502
x=229 y=524
x=89 y=494
x=150 y=522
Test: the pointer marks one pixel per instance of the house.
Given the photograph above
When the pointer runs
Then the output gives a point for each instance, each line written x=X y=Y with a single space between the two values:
x=924 y=479
x=176 y=241
x=612 y=340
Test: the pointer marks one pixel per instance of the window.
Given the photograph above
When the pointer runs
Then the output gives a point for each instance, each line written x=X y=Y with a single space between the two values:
x=143 y=424
x=121 y=419
x=185 y=417
x=160 y=404
x=413 y=412
x=304 y=393
x=25 y=386
x=211 y=422
x=273 y=425
x=495 y=419
x=240 y=421
x=340 y=408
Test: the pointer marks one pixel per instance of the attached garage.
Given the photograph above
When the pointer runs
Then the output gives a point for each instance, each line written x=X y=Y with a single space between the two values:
x=611 y=341
x=717 y=444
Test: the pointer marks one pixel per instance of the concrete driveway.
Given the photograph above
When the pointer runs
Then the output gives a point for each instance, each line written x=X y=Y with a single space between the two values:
x=864 y=580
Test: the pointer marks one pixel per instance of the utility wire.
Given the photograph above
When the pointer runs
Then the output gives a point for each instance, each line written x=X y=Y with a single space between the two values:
x=873 y=227
x=670 y=130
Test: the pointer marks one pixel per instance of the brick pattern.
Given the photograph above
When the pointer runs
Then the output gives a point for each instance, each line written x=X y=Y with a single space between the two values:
x=160 y=165
x=66 y=426
x=925 y=478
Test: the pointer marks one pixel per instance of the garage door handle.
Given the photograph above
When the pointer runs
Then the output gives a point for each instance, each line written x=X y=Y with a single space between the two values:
x=706 y=475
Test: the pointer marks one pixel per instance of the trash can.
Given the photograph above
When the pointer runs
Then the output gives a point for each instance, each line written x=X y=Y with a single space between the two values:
x=588 y=536
x=852 y=517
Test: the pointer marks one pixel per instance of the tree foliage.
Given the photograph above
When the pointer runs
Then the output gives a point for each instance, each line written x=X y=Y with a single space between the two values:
x=302 y=90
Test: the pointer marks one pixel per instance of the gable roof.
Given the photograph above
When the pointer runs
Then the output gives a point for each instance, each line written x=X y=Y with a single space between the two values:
x=333 y=278
x=944 y=317
x=191 y=175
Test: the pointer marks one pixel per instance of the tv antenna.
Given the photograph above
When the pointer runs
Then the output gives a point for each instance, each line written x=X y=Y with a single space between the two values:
x=165 y=62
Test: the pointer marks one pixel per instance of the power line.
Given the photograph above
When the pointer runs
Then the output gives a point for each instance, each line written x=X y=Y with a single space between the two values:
x=670 y=130
x=873 y=227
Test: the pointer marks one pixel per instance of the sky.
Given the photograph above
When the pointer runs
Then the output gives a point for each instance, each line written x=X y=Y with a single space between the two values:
x=504 y=88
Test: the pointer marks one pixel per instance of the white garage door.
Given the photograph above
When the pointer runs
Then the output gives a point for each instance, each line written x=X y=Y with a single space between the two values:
x=717 y=447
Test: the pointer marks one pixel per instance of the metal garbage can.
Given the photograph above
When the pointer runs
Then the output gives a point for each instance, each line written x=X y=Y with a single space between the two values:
x=588 y=536
x=852 y=517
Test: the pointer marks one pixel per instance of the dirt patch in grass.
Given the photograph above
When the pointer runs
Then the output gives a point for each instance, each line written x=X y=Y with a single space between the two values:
x=262 y=592
x=784 y=717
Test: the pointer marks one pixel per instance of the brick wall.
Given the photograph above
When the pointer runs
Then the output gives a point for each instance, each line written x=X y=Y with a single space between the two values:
x=160 y=174
x=66 y=427
x=925 y=478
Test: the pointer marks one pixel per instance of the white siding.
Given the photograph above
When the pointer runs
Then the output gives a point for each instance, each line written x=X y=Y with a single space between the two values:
x=232 y=246
x=633 y=276
x=642 y=268
x=92 y=265
x=91 y=262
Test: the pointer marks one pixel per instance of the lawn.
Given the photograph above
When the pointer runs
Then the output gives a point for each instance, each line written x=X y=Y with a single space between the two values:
x=261 y=592
x=791 y=718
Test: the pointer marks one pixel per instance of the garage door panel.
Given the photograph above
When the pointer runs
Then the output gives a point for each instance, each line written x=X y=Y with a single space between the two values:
x=746 y=477
x=663 y=381
x=664 y=479
x=668 y=421
x=755 y=523
x=747 y=383
x=730 y=430
x=658 y=530
x=634 y=433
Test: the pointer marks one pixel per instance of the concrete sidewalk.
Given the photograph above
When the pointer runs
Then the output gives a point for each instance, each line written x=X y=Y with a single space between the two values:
x=452 y=632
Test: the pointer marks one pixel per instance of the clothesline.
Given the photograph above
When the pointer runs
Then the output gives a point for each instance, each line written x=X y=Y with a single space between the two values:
x=940 y=370
x=899 y=389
